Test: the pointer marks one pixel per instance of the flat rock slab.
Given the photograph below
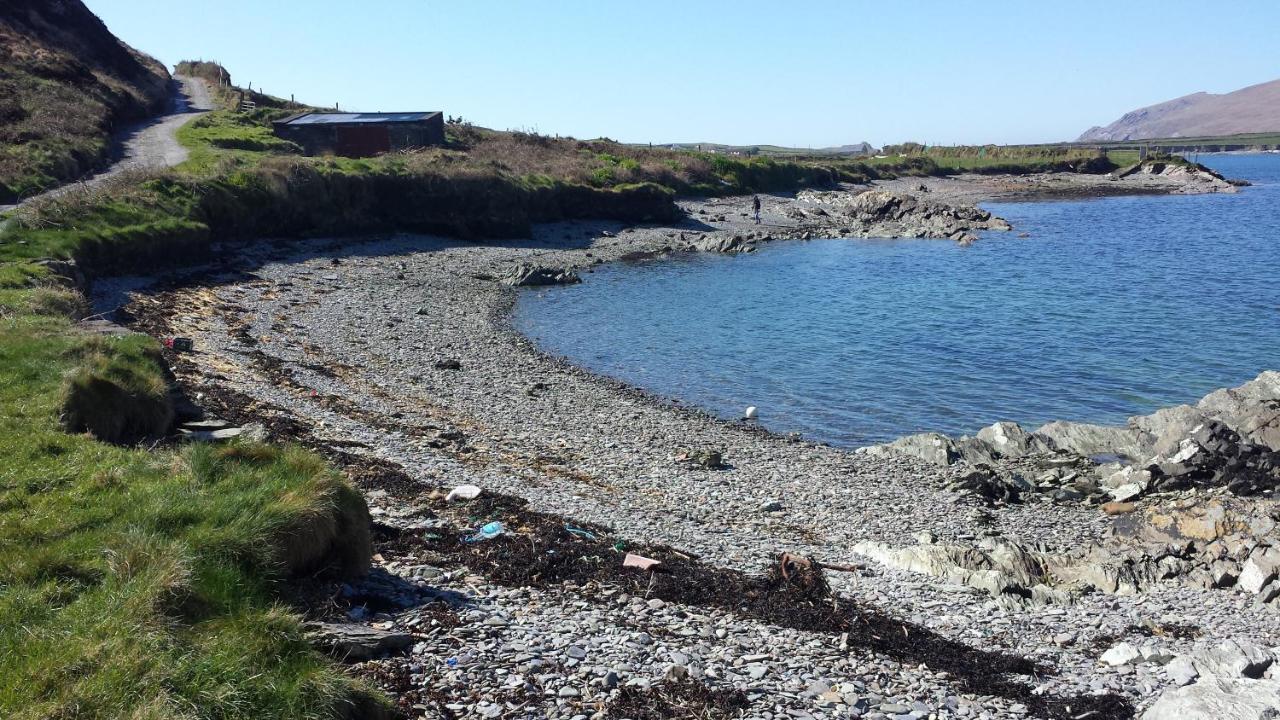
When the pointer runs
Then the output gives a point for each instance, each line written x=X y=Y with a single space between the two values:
x=1219 y=699
x=206 y=425
x=356 y=643
x=102 y=327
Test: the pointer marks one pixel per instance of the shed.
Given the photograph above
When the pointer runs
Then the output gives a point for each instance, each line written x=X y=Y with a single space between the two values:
x=361 y=134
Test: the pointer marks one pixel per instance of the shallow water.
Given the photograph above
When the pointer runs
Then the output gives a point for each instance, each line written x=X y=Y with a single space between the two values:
x=1112 y=307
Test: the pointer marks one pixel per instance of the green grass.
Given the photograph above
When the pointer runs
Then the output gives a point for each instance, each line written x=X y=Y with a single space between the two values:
x=208 y=138
x=139 y=584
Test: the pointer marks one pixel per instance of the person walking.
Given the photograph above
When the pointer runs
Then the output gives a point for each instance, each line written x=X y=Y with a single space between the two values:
x=755 y=205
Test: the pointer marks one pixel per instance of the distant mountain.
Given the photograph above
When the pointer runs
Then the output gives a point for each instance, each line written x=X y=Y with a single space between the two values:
x=1248 y=110
x=856 y=149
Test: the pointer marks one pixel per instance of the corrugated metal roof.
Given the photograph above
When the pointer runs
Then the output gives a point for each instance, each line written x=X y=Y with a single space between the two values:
x=348 y=118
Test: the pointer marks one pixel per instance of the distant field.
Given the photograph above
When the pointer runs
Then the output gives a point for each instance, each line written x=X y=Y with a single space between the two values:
x=1003 y=158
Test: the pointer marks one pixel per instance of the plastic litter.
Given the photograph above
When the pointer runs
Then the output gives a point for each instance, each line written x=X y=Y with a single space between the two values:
x=488 y=532
x=180 y=344
x=580 y=532
x=640 y=562
x=463 y=492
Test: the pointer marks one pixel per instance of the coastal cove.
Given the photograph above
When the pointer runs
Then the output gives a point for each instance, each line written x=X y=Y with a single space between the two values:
x=1100 y=312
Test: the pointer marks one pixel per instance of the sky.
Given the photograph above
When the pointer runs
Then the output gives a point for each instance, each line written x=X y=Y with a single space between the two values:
x=797 y=73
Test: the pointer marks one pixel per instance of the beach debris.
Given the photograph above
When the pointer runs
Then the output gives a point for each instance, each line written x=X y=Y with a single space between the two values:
x=751 y=413
x=488 y=531
x=180 y=344
x=580 y=532
x=771 y=506
x=448 y=364
x=639 y=562
x=463 y=492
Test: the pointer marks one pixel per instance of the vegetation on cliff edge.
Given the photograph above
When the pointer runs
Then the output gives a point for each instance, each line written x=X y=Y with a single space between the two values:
x=66 y=83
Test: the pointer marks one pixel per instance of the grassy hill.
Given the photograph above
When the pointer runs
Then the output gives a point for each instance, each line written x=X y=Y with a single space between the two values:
x=65 y=84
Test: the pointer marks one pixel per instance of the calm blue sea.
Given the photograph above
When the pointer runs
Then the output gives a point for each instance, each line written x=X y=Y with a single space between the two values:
x=1112 y=307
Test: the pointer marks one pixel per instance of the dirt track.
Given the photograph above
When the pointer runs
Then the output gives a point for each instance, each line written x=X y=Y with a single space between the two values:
x=149 y=144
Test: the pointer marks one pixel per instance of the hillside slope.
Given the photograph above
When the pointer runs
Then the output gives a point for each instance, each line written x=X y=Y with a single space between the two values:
x=65 y=84
x=1249 y=110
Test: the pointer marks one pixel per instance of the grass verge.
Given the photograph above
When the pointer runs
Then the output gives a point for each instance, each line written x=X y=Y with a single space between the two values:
x=147 y=584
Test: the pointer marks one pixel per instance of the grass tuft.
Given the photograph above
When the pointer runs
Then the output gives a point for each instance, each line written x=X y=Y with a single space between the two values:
x=118 y=393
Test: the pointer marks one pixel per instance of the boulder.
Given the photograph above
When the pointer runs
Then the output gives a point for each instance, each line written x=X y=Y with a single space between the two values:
x=1126 y=476
x=1253 y=409
x=1008 y=439
x=1125 y=493
x=709 y=459
x=1262 y=567
x=1007 y=571
x=1232 y=658
x=1121 y=654
x=1154 y=654
x=1094 y=440
x=1219 y=699
x=1165 y=428
x=1176 y=523
x=1214 y=455
x=1182 y=670
x=933 y=448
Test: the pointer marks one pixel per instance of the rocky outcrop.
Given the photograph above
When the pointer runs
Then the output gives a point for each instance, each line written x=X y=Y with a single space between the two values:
x=1192 y=178
x=1232 y=684
x=729 y=244
x=1089 y=440
x=1230 y=439
x=1011 y=573
x=1219 y=699
x=885 y=213
x=1209 y=544
x=526 y=275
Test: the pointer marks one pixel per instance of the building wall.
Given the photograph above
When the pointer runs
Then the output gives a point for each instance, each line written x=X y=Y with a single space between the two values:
x=322 y=139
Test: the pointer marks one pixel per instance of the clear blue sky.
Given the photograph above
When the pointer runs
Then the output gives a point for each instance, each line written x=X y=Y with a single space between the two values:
x=741 y=71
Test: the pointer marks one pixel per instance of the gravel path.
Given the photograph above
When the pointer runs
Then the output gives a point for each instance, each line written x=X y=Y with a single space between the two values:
x=150 y=144
x=400 y=348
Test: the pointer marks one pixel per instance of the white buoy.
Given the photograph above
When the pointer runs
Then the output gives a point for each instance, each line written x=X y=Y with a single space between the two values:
x=751 y=413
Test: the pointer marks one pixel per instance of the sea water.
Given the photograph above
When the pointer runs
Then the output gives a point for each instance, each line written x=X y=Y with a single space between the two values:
x=1110 y=307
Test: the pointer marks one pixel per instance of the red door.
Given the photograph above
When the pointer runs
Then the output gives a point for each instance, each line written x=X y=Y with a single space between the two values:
x=363 y=140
